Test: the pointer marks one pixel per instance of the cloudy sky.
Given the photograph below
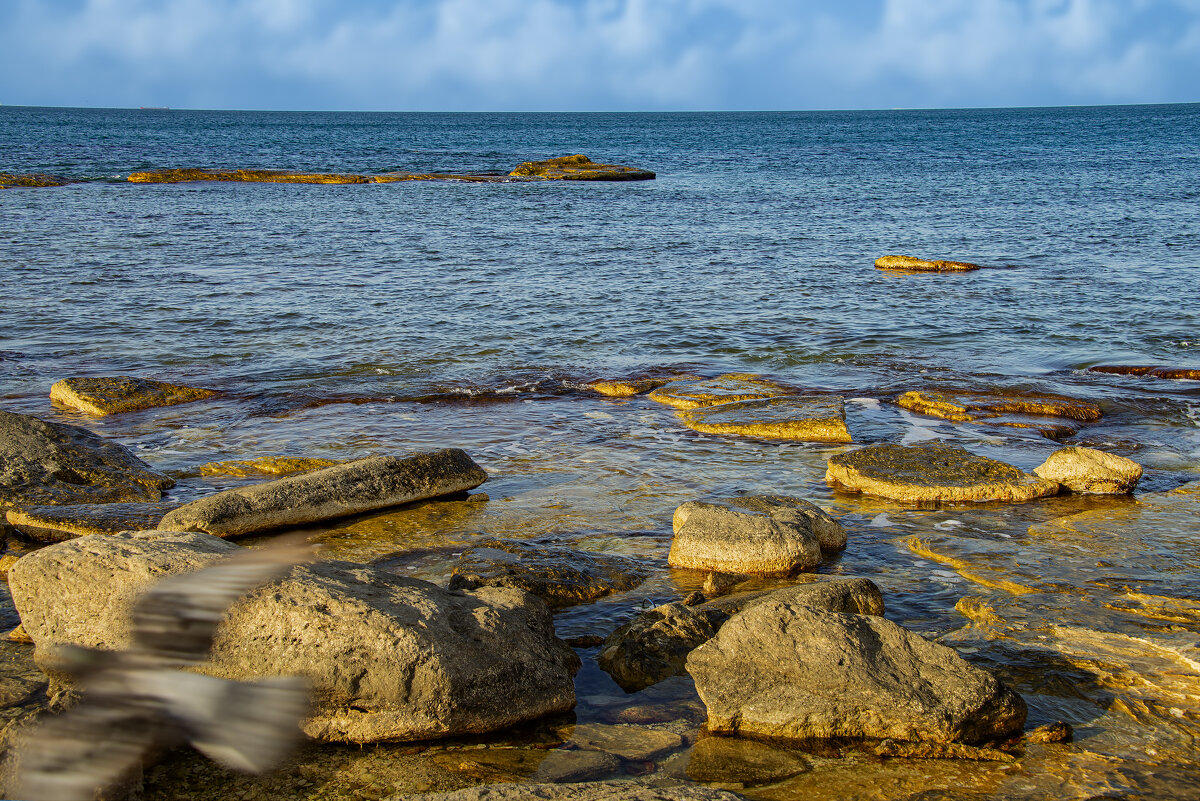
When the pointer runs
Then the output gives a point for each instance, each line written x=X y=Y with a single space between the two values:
x=532 y=55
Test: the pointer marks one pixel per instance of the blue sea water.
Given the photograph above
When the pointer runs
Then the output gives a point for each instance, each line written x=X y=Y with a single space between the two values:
x=342 y=320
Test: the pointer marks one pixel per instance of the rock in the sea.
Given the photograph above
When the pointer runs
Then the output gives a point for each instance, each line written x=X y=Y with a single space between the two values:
x=804 y=418
x=1149 y=371
x=388 y=657
x=1056 y=732
x=1089 y=471
x=932 y=472
x=265 y=465
x=859 y=596
x=43 y=463
x=8 y=179
x=627 y=742
x=722 y=389
x=791 y=672
x=923 y=265
x=559 y=576
x=655 y=644
x=626 y=387
x=577 y=168
x=735 y=760
x=1044 y=412
x=756 y=534
x=55 y=523
x=346 y=489
x=588 y=791
x=102 y=396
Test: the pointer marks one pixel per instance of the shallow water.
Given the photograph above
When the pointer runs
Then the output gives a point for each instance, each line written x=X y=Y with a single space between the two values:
x=342 y=321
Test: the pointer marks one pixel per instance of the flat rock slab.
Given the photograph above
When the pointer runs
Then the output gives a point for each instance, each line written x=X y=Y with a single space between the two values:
x=791 y=672
x=265 y=466
x=578 y=168
x=1042 y=412
x=43 y=463
x=1149 y=371
x=1089 y=471
x=627 y=387
x=627 y=742
x=800 y=418
x=932 y=472
x=387 y=657
x=31 y=179
x=913 y=264
x=586 y=791
x=346 y=489
x=722 y=389
x=104 y=396
x=756 y=534
x=735 y=760
x=56 y=523
x=559 y=576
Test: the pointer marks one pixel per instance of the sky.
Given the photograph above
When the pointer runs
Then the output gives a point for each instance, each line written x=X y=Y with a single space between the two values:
x=597 y=55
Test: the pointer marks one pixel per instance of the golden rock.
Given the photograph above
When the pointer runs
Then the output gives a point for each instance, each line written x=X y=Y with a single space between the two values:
x=103 y=396
x=722 y=389
x=803 y=418
x=913 y=264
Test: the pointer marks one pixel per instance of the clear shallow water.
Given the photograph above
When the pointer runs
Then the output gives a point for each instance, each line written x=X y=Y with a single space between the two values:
x=341 y=321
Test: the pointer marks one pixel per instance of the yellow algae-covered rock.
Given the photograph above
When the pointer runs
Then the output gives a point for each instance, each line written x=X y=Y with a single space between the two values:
x=56 y=523
x=253 y=176
x=992 y=406
x=101 y=396
x=932 y=472
x=722 y=389
x=923 y=265
x=1089 y=471
x=8 y=179
x=794 y=417
x=265 y=465
x=578 y=168
x=1151 y=371
x=626 y=388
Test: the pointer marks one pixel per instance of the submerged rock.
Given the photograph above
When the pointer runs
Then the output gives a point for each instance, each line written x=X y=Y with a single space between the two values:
x=756 y=534
x=655 y=644
x=804 y=418
x=722 y=389
x=1149 y=371
x=1089 y=471
x=578 y=168
x=932 y=472
x=56 y=523
x=33 y=179
x=388 y=657
x=103 y=396
x=265 y=465
x=1056 y=732
x=627 y=742
x=559 y=576
x=735 y=760
x=588 y=791
x=43 y=463
x=1016 y=410
x=792 y=672
x=346 y=489
x=923 y=265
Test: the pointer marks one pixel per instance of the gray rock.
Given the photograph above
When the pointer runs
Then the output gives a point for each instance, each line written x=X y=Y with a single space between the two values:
x=346 y=489
x=590 y=791
x=655 y=644
x=756 y=534
x=388 y=657
x=44 y=463
x=734 y=760
x=1089 y=471
x=792 y=672
x=858 y=596
x=559 y=576
x=57 y=523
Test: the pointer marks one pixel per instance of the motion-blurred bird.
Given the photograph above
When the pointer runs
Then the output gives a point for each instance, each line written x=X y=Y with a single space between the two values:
x=137 y=702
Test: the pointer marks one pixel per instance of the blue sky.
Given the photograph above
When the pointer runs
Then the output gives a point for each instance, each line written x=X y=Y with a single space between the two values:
x=534 y=55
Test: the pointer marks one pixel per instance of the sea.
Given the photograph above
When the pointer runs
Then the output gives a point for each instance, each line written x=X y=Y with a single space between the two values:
x=342 y=321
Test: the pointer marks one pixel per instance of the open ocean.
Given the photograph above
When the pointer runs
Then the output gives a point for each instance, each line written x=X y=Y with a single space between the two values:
x=348 y=320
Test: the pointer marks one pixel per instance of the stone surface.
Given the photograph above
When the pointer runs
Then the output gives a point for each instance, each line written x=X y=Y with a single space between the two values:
x=932 y=472
x=923 y=265
x=722 y=389
x=590 y=791
x=1044 y=412
x=792 y=672
x=1056 y=732
x=265 y=465
x=387 y=657
x=756 y=534
x=8 y=179
x=1089 y=471
x=858 y=596
x=907 y=750
x=1149 y=371
x=577 y=168
x=655 y=644
x=43 y=463
x=559 y=576
x=346 y=489
x=103 y=396
x=628 y=387
x=735 y=760
x=627 y=742
x=803 y=418
x=56 y=523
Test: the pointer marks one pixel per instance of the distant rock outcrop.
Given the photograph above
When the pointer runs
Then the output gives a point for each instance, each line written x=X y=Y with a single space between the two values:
x=914 y=264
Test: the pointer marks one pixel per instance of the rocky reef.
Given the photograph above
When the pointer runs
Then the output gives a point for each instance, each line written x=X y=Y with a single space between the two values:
x=913 y=264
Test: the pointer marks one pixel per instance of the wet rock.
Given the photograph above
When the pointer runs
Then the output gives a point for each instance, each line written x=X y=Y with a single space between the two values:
x=265 y=465
x=717 y=583
x=735 y=760
x=6 y=563
x=756 y=534
x=914 y=264
x=188 y=174
x=627 y=742
x=578 y=168
x=57 y=523
x=103 y=396
x=1014 y=410
x=626 y=388
x=802 y=418
x=43 y=463
x=905 y=750
x=562 y=766
x=792 y=672
x=859 y=596
x=387 y=657
x=19 y=634
x=1150 y=371
x=932 y=472
x=1089 y=471
x=722 y=389
x=8 y=179
x=655 y=644
x=559 y=576
x=590 y=791
x=1057 y=732
x=346 y=489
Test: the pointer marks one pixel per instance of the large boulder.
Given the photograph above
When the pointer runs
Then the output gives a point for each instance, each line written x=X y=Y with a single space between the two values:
x=43 y=463
x=913 y=264
x=1089 y=471
x=111 y=395
x=932 y=472
x=388 y=657
x=791 y=672
x=722 y=389
x=803 y=418
x=55 y=523
x=559 y=576
x=756 y=534
x=859 y=596
x=346 y=489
